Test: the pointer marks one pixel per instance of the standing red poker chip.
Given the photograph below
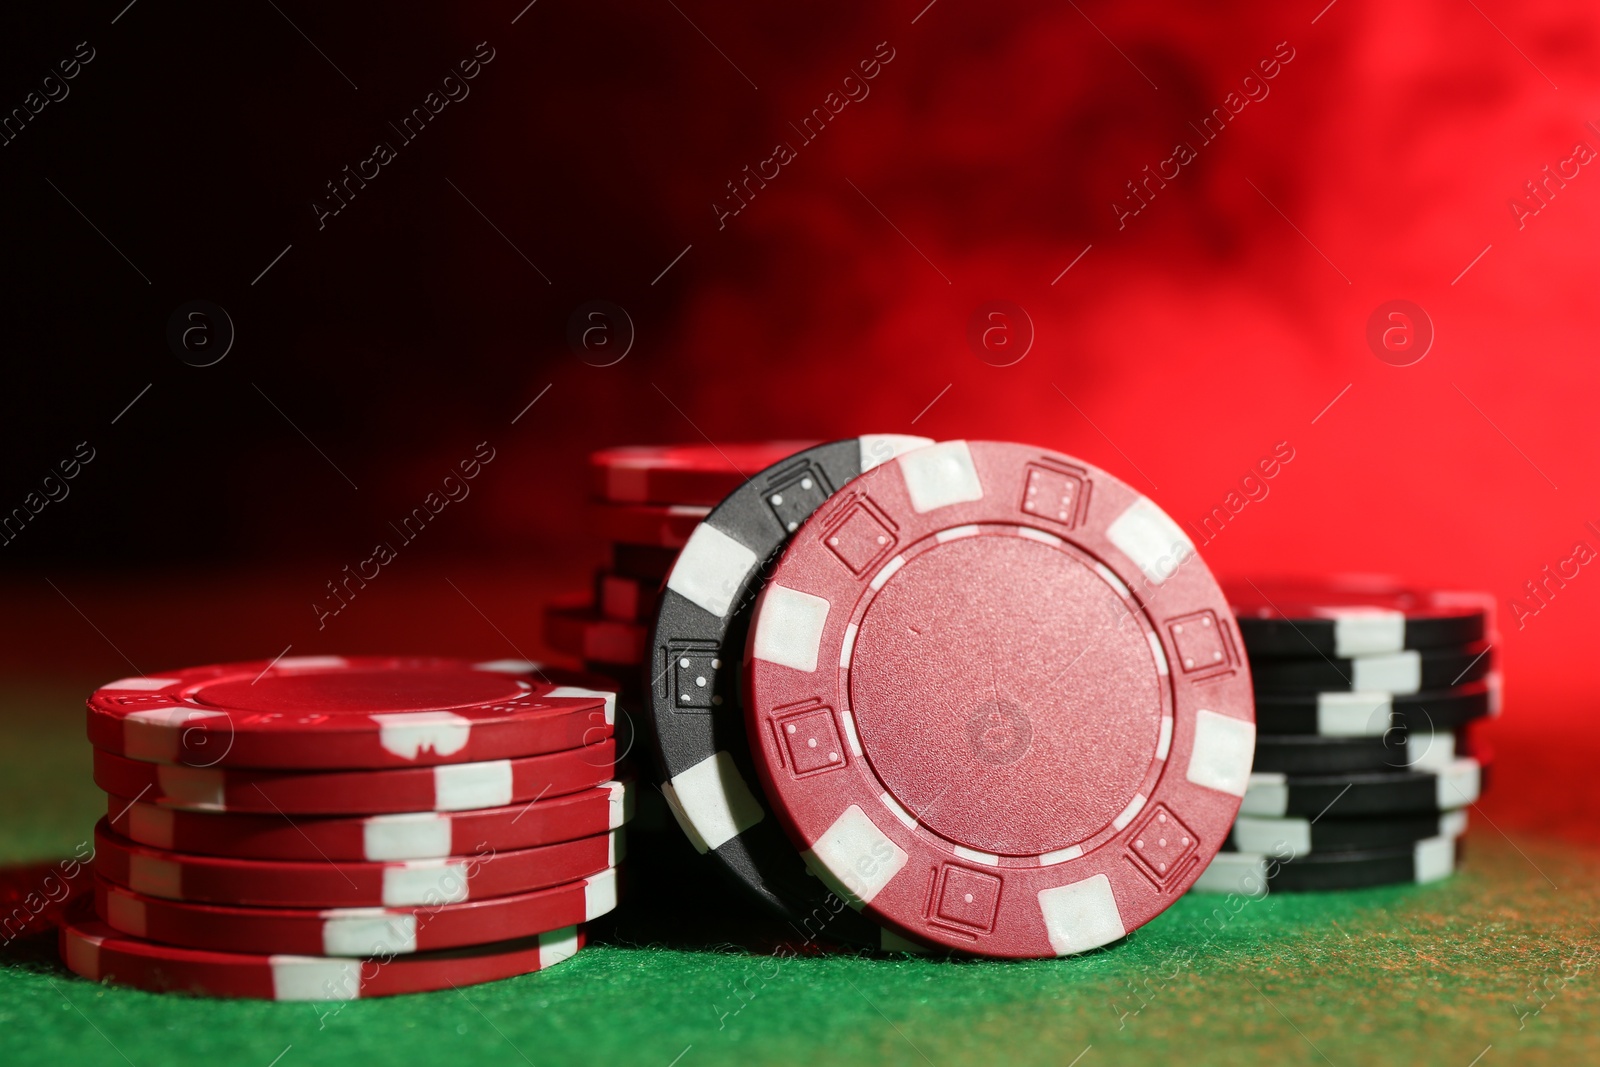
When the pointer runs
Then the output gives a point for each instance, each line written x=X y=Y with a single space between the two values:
x=95 y=951
x=313 y=712
x=348 y=884
x=447 y=787
x=998 y=701
x=682 y=474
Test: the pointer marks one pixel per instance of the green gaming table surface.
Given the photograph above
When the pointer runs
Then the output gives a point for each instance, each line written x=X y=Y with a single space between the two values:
x=1499 y=964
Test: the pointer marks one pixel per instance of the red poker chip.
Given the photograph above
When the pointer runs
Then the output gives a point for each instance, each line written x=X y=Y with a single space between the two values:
x=95 y=951
x=359 y=932
x=35 y=897
x=349 y=884
x=682 y=474
x=626 y=599
x=447 y=787
x=646 y=563
x=626 y=677
x=412 y=835
x=575 y=629
x=998 y=701
x=659 y=525
x=307 y=712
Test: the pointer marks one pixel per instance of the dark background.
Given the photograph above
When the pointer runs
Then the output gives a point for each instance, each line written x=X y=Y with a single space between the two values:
x=1227 y=316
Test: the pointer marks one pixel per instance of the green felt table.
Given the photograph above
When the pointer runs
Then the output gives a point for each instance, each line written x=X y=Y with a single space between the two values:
x=1495 y=965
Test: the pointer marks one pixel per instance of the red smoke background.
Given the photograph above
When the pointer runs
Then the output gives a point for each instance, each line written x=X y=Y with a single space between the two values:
x=1227 y=319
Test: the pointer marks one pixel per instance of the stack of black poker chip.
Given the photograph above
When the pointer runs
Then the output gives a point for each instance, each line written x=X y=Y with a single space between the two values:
x=1368 y=698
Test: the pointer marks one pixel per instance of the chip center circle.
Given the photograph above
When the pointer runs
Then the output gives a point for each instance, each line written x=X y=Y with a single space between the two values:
x=360 y=692
x=1006 y=694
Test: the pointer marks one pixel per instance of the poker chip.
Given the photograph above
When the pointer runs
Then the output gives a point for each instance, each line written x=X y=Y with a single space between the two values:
x=630 y=687
x=375 y=838
x=662 y=525
x=1275 y=795
x=1395 y=750
x=646 y=563
x=1485 y=755
x=1297 y=837
x=626 y=599
x=324 y=884
x=447 y=787
x=1392 y=672
x=307 y=712
x=35 y=897
x=1427 y=860
x=997 y=700
x=576 y=630
x=359 y=932
x=95 y=951
x=1373 y=714
x=682 y=474
x=1350 y=618
x=698 y=726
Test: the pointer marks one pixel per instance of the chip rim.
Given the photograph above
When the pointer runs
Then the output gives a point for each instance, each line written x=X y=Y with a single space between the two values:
x=95 y=951
x=317 y=884
x=331 y=931
x=1292 y=623
x=1398 y=673
x=411 y=835
x=1457 y=785
x=446 y=787
x=163 y=718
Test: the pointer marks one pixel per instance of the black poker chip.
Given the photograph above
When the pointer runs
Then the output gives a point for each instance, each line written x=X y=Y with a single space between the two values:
x=694 y=657
x=1395 y=750
x=1345 y=714
x=1352 y=617
x=1275 y=795
x=1299 y=836
x=1251 y=873
x=1410 y=671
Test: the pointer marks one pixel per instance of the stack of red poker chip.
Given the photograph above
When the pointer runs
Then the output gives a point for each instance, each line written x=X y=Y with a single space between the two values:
x=326 y=828
x=645 y=501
